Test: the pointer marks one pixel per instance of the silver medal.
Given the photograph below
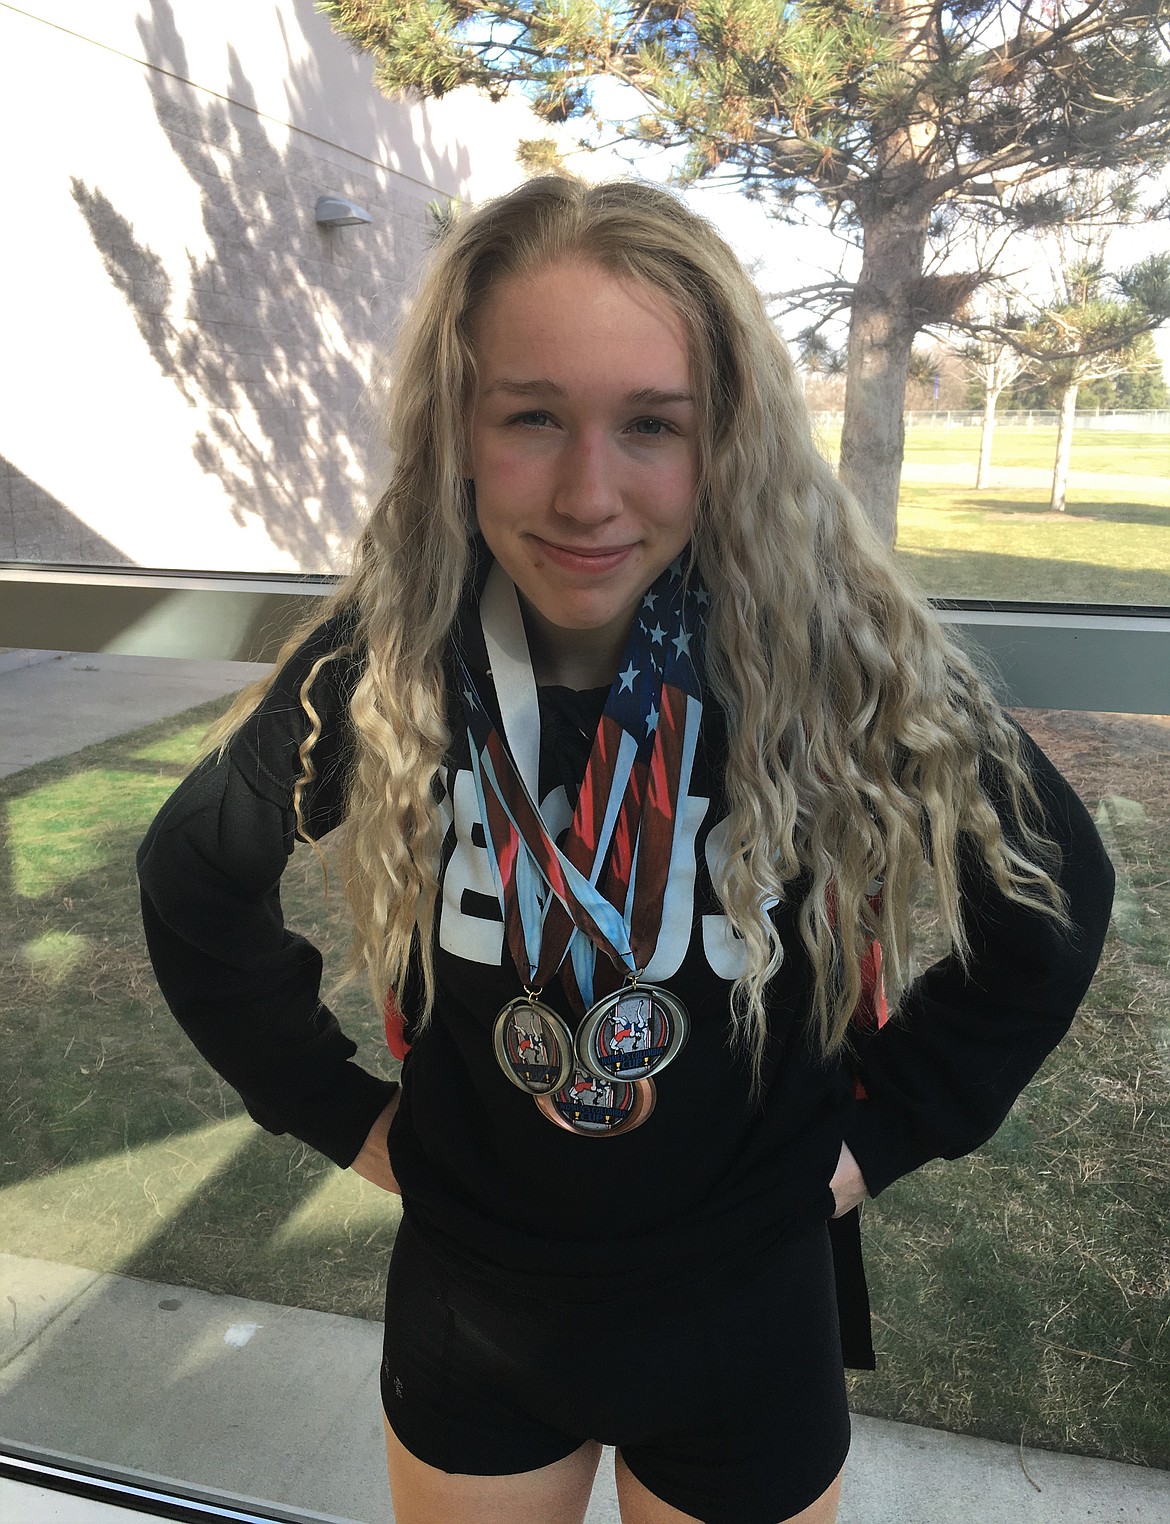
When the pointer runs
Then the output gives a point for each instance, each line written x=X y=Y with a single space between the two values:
x=632 y=1033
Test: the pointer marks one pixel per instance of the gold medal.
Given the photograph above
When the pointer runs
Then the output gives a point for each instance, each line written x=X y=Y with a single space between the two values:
x=533 y=1046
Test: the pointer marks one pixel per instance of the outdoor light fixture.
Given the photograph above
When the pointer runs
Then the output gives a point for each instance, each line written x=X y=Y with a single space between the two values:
x=337 y=212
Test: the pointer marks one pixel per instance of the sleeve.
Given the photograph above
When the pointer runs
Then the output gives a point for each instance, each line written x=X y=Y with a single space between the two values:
x=942 y=1075
x=244 y=988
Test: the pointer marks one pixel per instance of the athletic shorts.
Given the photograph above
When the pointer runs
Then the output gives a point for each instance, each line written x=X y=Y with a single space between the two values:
x=730 y=1406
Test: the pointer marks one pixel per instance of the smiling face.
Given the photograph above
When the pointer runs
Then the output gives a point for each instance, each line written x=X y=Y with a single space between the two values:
x=584 y=451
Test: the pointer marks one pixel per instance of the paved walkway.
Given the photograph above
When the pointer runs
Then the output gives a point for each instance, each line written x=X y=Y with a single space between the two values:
x=52 y=703
x=278 y=1403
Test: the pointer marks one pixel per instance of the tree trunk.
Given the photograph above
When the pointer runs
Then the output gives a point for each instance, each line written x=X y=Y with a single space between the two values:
x=881 y=335
x=986 y=437
x=1068 y=413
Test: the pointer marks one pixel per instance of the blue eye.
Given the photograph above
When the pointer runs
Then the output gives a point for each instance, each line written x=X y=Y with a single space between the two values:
x=650 y=428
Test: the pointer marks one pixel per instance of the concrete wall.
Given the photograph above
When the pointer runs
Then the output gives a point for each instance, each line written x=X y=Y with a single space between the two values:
x=185 y=351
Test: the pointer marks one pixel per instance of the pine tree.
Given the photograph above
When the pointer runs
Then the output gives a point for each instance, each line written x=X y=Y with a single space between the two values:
x=908 y=120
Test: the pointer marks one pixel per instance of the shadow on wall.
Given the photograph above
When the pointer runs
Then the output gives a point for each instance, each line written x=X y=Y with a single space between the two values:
x=272 y=334
x=35 y=526
x=348 y=88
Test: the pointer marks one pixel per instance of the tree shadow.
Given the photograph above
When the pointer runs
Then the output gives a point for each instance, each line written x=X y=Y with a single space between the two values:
x=1114 y=512
x=271 y=334
x=943 y=573
x=122 y=1149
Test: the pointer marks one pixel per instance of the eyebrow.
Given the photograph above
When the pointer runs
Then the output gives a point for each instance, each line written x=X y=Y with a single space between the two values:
x=644 y=396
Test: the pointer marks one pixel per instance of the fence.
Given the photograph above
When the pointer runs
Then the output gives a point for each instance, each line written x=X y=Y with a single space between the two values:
x=1126 y=423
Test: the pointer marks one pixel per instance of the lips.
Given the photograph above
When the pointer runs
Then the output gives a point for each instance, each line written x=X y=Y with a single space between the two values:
x=590 y=559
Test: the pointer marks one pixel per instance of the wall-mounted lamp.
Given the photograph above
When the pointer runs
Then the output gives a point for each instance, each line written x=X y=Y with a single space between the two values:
x=337 y=212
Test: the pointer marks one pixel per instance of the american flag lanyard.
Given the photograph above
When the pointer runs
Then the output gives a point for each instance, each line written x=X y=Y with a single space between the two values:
x=604 y=889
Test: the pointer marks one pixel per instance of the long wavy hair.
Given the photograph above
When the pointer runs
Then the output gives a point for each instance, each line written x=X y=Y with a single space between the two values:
x=858 y=732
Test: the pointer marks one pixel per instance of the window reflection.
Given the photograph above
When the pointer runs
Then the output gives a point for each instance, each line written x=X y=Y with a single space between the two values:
x=164 y=1253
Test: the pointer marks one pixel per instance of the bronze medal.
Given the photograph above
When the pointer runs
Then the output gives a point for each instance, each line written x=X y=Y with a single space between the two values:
x=533 y=1046
x=633 y=1033
x=599 y=1108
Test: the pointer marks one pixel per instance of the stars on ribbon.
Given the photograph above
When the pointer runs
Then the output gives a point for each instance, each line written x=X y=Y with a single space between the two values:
x=657 y=634
x=650 y=600
x=627 y=678
x=682 y=643
x=652 y=720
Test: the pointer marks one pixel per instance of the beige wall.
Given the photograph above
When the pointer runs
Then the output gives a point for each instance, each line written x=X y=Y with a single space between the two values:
x=185 y=350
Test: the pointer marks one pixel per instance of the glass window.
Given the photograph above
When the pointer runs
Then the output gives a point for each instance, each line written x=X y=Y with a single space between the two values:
x=196 y=1299
x=1021 y=1293
x=1002 y=540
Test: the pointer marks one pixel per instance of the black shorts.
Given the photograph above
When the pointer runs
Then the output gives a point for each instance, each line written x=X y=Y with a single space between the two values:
x=730 y=1406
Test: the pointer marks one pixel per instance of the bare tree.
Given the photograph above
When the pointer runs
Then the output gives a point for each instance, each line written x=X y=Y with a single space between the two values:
x=994 y=364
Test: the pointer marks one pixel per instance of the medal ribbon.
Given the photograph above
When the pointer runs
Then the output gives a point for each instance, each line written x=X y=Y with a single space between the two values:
x=626 y=817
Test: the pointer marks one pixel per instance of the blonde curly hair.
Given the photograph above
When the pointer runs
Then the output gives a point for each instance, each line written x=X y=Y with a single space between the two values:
x=857 y=729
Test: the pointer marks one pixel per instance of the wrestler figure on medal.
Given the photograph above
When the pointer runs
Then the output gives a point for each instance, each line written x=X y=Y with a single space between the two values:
x=533 y=1046
x=632 y=1033
x=596 y=1107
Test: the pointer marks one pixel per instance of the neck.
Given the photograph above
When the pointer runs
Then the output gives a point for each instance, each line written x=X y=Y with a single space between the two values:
x=572 y=658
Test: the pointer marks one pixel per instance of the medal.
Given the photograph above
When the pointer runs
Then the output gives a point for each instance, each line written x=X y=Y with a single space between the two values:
x=533 y=1045
x=598 y=892
x=632 y=1033
x=599 y=1108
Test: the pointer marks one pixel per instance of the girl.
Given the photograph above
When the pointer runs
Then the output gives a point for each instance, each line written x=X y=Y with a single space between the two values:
x=640 y=744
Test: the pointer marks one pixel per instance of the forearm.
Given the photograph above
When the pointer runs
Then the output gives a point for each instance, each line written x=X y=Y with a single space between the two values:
x=373 y=1159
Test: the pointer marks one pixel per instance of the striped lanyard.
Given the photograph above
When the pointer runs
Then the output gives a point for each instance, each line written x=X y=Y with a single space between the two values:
x=603 y=888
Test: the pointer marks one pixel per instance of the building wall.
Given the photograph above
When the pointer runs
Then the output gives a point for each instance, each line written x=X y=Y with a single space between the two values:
x=187 y=354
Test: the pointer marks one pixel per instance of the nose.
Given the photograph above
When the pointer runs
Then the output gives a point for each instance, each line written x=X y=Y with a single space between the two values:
x=587 y=488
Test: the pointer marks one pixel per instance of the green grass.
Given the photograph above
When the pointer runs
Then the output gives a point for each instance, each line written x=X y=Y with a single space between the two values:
x=120 y=1149
x=1111 y=545
x=1106 y=548
x=1092 y=450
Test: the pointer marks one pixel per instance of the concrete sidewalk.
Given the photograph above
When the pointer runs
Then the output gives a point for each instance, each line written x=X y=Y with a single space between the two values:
x=280 y=1404
x=55 y=702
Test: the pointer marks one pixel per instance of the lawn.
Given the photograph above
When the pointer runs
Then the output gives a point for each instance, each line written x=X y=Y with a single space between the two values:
x=1092 y=450
x=122 y=1151
x=1111 y=545
x=1021 y=1294
x=1108 y=547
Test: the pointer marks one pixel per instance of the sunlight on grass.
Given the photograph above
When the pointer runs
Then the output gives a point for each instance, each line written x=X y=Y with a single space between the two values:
x=342 y=1206
x=1103 y=553
x=1111 y=454
x=181 y=748
x=52 y=958
x=60 y=831
x=101 y=1212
